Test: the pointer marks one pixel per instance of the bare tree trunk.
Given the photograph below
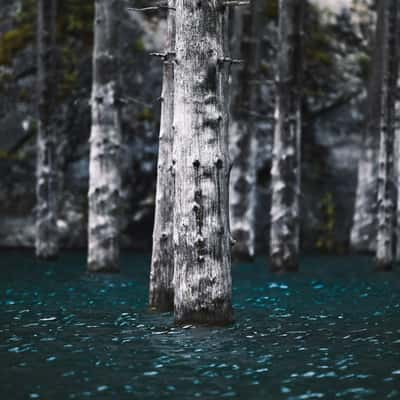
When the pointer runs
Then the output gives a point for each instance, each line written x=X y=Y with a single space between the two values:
x=364 y=228
x=162 y=261
x=243 y=137
x=387 y=190
x=105 y=143
x=47 y=190
x=202 y=274
x=397 y=168
x=284 y=246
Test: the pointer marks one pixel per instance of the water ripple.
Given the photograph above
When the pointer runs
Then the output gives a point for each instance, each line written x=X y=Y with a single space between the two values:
x=329 y=332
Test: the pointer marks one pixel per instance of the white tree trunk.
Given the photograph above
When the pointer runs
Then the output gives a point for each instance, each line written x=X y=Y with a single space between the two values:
x=202 y=277
x=286 y=165
x=364 y=228
x=162 y=261
x=387 y=190
x=47 y=185
x=397 y=169
x=243 y=137
x=105 y=143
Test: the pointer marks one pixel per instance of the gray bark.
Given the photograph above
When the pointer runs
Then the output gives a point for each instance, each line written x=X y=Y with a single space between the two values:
x=202 y=276
x=285 y=174
x=243 y=138
x=105 y=143
x=387 y=190
x=397 y=168
x=364 y=228
x=47 y=189
x=162 y=261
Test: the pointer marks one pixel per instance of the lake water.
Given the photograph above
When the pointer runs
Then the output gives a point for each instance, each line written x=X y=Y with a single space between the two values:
x=331 y=331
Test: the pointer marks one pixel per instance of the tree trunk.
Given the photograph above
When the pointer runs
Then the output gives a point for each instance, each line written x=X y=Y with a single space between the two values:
x=47 y=190
x=243 y=137
x=202 y=277
x=397 y=167
x=285 y=230
x=387 y=191
x=364 y=229
x=162 y=261
x=105 y=143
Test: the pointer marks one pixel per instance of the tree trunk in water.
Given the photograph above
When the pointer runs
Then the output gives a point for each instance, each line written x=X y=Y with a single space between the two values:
x=397 y=167
x=243 y=138
x=162 y=261
x=285 y=230
x=105 y=143
x=202 y=276
x=364 y=229
x=387 y=191
x=47 y=190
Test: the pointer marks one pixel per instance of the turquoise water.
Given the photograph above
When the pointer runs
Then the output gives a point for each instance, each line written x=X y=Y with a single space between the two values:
x=329 y=332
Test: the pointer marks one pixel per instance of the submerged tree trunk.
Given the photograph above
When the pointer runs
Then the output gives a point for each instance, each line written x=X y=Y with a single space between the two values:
x=364 y=229
x=397 y=168
x=286 y=165
x=202 y=274
x=243 y=137
x=105 y=143
x=162 y=261
x=387 y=191
x=47 y=190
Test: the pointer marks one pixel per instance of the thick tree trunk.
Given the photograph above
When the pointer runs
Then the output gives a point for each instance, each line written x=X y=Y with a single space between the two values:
x=364 y=228
x=162 y=261
x=243 y=137
x=387 y=190
x=47 y=190
x=202 y=274
x=284 y=246
x=105 y=143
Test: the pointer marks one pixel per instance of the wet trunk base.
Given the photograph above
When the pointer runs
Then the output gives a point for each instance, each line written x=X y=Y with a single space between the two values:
x=241 y=255
x=281 y=268
x=384 y=266
x=207 y=317
x=95 y=269
x=47 y=257
x=162 y=300
x=46 y=248
x=242 y=249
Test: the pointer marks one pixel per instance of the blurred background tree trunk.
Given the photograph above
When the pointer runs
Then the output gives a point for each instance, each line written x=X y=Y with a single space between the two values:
x=286 y=163
x=387 y=190
x=243 y=134
x=105 y=142
x=364 y=229
x=162 y=260
x=47 y=185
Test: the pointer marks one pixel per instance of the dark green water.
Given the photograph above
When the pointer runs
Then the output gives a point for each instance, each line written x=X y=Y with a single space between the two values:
x=329 y=332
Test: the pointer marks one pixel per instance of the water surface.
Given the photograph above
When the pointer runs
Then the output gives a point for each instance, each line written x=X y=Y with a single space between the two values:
x=329 y=332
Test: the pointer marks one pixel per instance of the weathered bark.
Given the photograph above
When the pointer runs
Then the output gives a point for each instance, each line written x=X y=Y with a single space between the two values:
x=364 y=228
x=202 y=275
x=285 y=174
x=162 y=261
x=397 y=168
x=387 y=190
x=243 y=138
x=47 y=190
x=105 y=143
x=397 y=158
